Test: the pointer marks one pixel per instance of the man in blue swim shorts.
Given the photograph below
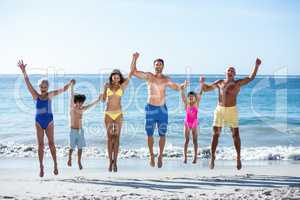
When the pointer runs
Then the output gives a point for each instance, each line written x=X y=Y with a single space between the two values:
x=156 y=109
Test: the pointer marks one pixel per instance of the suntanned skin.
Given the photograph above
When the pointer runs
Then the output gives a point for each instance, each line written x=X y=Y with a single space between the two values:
x=76 y=111
x=228 y=90
x=113 y=127
x=157 y=83
x=43 y=94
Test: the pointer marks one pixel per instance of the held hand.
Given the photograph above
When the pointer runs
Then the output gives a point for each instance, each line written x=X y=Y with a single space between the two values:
x=184 y=84
x=22 y=65
x=135 y=55
x=72 y=82
x=202 y=79
x=258 y=62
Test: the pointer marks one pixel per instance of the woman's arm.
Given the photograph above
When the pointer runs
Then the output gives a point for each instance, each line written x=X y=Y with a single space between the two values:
x=61 y=90
x=31 y=89
x=104 y=96
x=132 y=68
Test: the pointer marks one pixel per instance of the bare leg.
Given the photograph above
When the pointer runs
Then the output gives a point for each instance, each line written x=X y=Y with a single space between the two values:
x=237 y=145
x=150 y=145
x=41 y=146
x=118 y=126
x=186 y=143
x=214 y=144
x=50 y=136
x=195 y=142
x=79 y=158
x=108 y=124
x=70 y=157
x=162 y=142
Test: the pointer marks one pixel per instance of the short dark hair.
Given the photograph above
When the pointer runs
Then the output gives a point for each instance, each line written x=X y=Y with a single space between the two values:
x=79 y=98
x=116 y=72
x=192 y=93
x=159 y=60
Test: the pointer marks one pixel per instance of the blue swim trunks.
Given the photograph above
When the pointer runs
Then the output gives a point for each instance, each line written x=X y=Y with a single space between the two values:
x=77 y=138
x=156 y=116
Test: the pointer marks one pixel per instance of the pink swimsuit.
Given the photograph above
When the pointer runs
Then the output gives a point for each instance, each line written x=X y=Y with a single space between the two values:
x=191 y=118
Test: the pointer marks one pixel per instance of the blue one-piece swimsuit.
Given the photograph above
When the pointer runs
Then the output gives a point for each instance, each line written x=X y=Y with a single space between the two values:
x=44 y=114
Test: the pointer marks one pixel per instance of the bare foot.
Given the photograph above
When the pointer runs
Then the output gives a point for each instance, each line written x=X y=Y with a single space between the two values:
x=69 y=163
x=185 y=160
x=115 y=167
x=55 y=171
x=152 y=161
x=212 y=162
x=42 y=171
x=159 y=162
x=195 y=160
x=80 y=165
x=238 y=164
x=110 y=165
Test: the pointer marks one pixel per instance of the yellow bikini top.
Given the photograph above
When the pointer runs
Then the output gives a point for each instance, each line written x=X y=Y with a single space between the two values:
x=119 y=92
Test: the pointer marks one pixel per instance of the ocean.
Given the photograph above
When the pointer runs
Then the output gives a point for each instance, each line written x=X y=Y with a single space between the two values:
x=268 y=107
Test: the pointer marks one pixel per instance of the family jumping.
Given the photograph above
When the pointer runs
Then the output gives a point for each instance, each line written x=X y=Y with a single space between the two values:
x=156 y=112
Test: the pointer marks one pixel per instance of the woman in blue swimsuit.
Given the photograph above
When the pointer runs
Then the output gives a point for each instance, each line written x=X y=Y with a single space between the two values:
x=44 y=117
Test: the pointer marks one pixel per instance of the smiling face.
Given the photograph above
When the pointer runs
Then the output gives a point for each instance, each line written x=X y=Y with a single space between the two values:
x=192 y=98
x=158 y=65
x=44 y=85
x=116 y=79
x=230 y=73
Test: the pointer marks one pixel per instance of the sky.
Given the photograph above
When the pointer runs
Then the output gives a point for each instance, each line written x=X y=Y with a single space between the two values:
x=201 y=37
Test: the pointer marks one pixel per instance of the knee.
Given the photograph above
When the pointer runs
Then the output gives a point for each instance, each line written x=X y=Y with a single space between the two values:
x=187 y=140
x=236 y=136
x=195 y=141
x=51 y=144
x=41 y=145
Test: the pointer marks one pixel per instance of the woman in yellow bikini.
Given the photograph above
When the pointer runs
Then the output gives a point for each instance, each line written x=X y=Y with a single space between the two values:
x=113 y=119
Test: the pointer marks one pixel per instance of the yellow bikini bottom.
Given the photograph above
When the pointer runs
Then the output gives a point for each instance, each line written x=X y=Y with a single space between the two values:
x=113 y=114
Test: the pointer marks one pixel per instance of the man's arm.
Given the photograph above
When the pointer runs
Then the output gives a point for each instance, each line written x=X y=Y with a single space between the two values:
x=174 y=86
x=208 y=87
x=31 y=89
x=86 y=107
x=132 y=69
x=61 y=90
x=252 y=76
x=140 y=74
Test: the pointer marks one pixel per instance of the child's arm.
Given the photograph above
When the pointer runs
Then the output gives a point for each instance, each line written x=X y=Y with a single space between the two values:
x=31 y=89
x=199 y=95
x=86 y=107
x=72 y=94
x=132 y=68
x=182 y=93
x=61 y=90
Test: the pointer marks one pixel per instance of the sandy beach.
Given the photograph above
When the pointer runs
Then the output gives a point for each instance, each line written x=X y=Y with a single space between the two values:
x=136 y=180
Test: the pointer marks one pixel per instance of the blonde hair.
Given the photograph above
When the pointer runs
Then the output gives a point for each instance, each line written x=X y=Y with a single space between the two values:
x=43 y=80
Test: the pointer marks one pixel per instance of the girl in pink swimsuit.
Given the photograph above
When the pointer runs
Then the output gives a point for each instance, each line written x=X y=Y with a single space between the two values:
x=191 y=104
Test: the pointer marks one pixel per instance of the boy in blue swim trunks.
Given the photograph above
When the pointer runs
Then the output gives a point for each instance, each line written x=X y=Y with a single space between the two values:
x=77 y=133
x=156 y=109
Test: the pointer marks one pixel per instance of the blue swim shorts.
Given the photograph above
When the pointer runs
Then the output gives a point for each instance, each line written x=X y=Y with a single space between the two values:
x=156 y=116
x=77 y=138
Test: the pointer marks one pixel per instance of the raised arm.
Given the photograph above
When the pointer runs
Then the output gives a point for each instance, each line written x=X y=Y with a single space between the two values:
x=72 y=94
x=174 y=86
x=86 y=107
x=252 y=76
x=140 y=74
x=31 y=89
x=208 y=87
x=132 y=69
x=182 y=93
x=61 y=90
